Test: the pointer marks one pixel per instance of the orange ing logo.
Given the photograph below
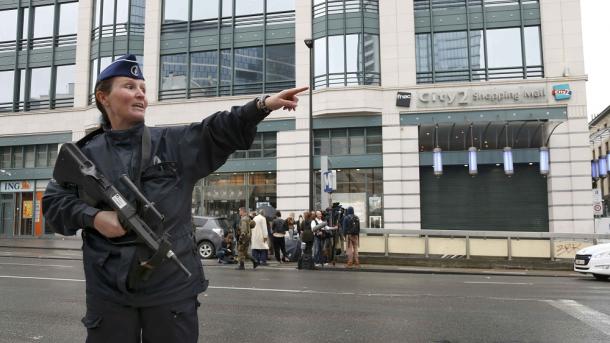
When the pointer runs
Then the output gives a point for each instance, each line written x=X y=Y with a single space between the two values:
x=25 y=185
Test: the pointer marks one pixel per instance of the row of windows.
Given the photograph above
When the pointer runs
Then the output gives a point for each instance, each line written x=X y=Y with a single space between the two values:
x=264 y=145
x=255 y=70
x=28 y=156
x=422 y=5
x=38 y=88
x=347 y=141
x=176 y=11
x=42 y=26
x=113 y=18
x=329 y=7
x=479 y=55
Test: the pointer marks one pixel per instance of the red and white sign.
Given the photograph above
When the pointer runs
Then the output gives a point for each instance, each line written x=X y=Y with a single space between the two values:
x=16 y=186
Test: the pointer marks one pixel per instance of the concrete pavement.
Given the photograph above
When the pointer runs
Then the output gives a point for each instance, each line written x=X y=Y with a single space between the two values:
x=69 y=248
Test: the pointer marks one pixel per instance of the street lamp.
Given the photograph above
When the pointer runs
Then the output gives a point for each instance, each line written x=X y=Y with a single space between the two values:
x=309 y=44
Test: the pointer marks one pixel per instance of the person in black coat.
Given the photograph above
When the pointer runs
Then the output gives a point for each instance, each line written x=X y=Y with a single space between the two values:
x=121 y=308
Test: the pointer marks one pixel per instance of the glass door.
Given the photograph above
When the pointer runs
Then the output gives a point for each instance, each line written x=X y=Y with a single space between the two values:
x=7 y=214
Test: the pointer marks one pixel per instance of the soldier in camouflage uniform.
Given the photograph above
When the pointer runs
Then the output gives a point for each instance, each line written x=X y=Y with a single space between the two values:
x=243 y=240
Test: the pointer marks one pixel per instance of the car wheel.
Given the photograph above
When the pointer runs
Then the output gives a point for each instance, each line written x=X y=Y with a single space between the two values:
x=206 y=249
x=601 y=277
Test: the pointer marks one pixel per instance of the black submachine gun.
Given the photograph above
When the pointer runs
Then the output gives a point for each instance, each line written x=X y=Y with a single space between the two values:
x=77 y=169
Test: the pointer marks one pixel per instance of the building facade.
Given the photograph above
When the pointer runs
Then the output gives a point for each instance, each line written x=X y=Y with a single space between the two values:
x=398 y=86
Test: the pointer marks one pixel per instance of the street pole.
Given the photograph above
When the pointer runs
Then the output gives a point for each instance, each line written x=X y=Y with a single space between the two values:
x=309 y=44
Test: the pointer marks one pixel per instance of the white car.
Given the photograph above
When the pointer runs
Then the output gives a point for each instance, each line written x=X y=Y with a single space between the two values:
x=594 y=260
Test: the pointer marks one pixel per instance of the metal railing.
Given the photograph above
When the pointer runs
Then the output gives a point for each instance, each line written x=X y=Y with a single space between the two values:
x=467 y=235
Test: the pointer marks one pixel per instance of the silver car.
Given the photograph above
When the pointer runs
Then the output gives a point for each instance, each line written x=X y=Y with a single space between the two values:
x=209 y=233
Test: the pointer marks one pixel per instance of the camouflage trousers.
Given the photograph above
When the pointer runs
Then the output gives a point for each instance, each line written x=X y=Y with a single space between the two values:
x=242 y=252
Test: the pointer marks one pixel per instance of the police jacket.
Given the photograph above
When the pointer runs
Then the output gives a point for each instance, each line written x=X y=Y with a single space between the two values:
x=180 y=157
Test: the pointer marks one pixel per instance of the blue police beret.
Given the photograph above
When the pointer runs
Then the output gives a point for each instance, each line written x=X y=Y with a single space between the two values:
x=123 y=66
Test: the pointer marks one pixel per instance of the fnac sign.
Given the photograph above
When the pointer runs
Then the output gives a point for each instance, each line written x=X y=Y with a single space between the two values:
x=16 y=186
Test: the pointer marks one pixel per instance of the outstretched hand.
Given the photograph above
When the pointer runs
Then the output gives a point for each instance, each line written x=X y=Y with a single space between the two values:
x=286 y=99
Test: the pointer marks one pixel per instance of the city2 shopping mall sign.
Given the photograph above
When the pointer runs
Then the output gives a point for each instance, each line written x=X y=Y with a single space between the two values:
x=562 y=92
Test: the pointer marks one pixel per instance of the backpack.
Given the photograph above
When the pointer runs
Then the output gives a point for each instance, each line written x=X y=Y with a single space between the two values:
x=352 y=225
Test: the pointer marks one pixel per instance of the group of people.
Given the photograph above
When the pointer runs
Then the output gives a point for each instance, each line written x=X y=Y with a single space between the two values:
x=324 y=235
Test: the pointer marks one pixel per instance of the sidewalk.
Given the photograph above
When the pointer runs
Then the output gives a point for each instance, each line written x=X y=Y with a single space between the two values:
x=69 y=248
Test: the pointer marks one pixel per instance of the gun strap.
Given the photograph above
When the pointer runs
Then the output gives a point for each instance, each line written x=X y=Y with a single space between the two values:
x=145 y=149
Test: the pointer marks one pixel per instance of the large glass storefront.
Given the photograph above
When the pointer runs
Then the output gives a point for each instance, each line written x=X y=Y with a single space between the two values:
x=361 y=188
x=20 y=208
x=222 y=194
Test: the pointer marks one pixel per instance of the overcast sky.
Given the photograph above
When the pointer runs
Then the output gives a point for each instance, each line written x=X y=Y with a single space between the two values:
x=596 y=39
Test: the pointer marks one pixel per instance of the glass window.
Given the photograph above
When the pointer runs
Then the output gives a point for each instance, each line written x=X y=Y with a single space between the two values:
x=338 y=141
x=245 y=7
x=336 y=54
x=372 y=63
x=43 y=21
x=138 y=7
x=256 y=147
x=26 y=19
x=64 y=83
x=225 y=68
x=423 y=53
x=94 y=74
x=122 y=10
x=5 y=157
x=9 y=25
x=352 y=47
x=373 y=140
x=248 y=65
x=173 y=72
x=450 y=51
x=227 y=8
x=320 y=56
x=175 y=11
x=17 y=157
x=321 y=142
x=280 y=5
x=504 y=48
x=6 y=86
x=280 y=62
x=108 y=12
x=68 y=15
x=356 y=141
x=52 y=154
x=532 y=46
x=204 y=70
x=477 y=49
x=269 y=144
x=41 y=155
x=98 y=4
x=39 y=86
x=30 y=156
x=21 y=85
x=205 y=9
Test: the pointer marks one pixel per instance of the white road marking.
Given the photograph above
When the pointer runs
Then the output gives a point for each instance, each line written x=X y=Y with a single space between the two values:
x=500 y=283
x=36 y=265
x=587 y=315
x=39 y=278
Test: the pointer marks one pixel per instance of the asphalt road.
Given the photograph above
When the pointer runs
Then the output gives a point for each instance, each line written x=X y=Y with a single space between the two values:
x=42 y=300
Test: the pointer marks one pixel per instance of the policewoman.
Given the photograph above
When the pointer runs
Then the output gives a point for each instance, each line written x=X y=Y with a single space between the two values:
x=165 y=163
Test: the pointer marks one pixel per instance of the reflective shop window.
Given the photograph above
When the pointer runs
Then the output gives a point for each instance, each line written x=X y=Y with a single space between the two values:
x=175 y=11
x=138 y=7
x=504 y=48
x=533 y=48
x=108 y=12
x=246 y=7
x=43 y=21
x=320 y=56
x=9 y=25
x=17 y=161
x=280 y=5
x=204 y=72
x=41 y=155
x=64 y=82
x=205 y=9
x=227 y=8
x=477 y=49
x=248 y=68
x=122 y=10
x=7 y=82
x=39 y=88
x=173 y=72
x=450 y=51
x=280 y=62
x=68 y=15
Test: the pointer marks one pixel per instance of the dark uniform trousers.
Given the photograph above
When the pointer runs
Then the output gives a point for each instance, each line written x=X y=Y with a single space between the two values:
x=170 y=323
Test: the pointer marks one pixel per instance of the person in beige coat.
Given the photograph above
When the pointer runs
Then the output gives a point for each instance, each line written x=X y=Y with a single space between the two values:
x=259 y=239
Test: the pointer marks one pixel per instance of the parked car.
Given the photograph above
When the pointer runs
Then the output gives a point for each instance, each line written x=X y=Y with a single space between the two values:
x=209 y=233
x=594 y=260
